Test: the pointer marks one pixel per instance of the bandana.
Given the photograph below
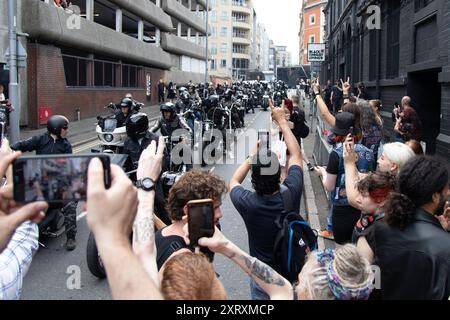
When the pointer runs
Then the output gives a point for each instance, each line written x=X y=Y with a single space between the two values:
x=341 y=292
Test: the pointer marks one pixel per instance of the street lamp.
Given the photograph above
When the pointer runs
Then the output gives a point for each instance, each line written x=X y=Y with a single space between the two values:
x=207 y=35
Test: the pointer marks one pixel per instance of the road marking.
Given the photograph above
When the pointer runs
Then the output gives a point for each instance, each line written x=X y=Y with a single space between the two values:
x=81 y=216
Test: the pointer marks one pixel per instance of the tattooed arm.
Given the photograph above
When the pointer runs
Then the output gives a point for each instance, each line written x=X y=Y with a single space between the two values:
x=144 y=234
x=277 y=287
x=143 y=228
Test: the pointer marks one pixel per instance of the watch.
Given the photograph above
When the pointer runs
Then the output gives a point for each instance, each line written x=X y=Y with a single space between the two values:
x=146 y=184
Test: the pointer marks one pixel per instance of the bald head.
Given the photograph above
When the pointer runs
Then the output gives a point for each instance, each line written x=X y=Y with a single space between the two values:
x=406 y=101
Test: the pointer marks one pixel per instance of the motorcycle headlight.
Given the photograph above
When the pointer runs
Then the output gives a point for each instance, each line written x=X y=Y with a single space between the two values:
x=108 y=137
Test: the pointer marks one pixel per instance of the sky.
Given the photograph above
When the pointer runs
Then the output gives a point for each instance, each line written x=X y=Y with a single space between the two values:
x=282 y=22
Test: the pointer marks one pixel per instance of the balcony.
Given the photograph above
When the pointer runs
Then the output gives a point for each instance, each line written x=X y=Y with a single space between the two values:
x=183 y=14
x=148 y=11
x=241 y=40
x=243 y=9
x=45 y=22
x=242 y=25
x=241 y=56
x=177 y=45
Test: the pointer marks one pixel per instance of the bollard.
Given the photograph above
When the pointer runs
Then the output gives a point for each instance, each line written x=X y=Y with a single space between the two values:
x=78 y=114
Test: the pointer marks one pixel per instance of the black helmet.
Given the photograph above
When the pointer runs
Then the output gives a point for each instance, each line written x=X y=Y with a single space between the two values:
x=137 y=125
x=56 y=123
x=126 y=103
x=213 y=101
x=185 y=95
x=168 y=107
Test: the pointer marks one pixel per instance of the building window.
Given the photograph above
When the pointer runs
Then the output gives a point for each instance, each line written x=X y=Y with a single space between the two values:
x=373 y=55
x=420 y=4
x=104 y=74
x=223 y=47
x=312 y=19
x=312 y=39
x=130 y=76
x=213 y=32
x=213 y=16
x=213 y=49
x=213 y=64
x=223 y=31
x=76 y=71
x=223 y=63
x=224 y=16
x=393 y=41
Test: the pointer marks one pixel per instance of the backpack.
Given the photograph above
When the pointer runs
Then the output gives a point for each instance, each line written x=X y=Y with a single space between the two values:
x=294 y=241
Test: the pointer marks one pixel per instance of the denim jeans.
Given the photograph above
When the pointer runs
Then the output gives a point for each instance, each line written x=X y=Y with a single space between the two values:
x=256 y=292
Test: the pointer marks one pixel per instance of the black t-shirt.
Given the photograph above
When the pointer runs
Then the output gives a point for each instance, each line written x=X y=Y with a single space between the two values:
x=333 y=163
x=259 y=214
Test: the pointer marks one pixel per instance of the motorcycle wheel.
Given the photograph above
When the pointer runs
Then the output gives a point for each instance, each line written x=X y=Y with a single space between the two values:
x=94 y=261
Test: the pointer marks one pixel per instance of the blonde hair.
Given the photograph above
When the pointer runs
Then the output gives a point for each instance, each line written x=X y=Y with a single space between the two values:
x=398 y=153
x=190 y=276
x=353 y=269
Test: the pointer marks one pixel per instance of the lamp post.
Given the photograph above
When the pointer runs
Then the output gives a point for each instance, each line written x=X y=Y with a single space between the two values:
x=206 y=49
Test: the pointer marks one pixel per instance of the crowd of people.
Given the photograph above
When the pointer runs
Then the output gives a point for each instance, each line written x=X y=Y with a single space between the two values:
x=389 y=208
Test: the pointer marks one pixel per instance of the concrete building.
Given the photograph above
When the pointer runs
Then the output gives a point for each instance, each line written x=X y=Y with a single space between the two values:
x=406 y=54
x=283 y=57
x=231 y=38
x=312 y=26
x=84 y=58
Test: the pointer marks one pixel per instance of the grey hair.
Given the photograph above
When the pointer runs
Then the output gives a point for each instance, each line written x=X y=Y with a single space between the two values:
x=352 y=268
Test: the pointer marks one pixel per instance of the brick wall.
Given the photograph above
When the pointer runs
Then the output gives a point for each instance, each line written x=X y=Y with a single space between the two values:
x=47 y=88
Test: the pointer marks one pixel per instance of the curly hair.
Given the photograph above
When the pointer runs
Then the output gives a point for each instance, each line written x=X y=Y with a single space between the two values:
x=378 y=185
x=411 y=124
x=418 y=181
x=368 y=118
x=194 y=185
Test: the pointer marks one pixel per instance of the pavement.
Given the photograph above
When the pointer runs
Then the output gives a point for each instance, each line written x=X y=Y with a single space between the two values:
x=61 y=275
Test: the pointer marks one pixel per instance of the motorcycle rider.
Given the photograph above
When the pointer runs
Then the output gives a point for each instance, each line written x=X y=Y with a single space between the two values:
x=139 y=138
x=169 y=122
x=184 y=104
x=126 y=110
x=230 y=103
x=52 y=142
x=219 y=117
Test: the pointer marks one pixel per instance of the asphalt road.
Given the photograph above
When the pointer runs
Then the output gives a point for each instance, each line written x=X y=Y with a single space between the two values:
x=54 y=271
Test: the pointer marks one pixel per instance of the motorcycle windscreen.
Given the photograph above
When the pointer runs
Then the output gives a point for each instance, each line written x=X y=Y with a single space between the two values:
x=110 y=125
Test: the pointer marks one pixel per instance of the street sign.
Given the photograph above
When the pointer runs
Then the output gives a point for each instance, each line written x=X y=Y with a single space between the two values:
x=21 y=56
x=316 y=52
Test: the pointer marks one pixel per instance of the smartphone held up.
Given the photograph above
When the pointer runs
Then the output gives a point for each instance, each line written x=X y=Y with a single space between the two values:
x=55 y=178
x=200 y=220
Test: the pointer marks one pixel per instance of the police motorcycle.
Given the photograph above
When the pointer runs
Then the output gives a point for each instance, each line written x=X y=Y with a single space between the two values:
x=111 y=136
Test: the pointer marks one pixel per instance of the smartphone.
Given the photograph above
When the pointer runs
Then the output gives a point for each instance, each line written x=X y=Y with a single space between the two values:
x=200 y=220
x=351 y=131
x=2 y=133
x=264 y=138
x=55 y=178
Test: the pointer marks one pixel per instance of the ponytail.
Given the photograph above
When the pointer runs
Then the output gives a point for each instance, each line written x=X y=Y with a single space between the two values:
x=399 y=210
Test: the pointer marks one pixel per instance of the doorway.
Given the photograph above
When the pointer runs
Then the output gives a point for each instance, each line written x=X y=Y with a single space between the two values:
x=425 y=92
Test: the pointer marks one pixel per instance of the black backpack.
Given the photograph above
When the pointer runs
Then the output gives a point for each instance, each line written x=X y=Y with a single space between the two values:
x=294 y=241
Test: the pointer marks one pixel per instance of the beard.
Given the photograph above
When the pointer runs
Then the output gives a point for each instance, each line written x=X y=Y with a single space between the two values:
x=440 y=210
